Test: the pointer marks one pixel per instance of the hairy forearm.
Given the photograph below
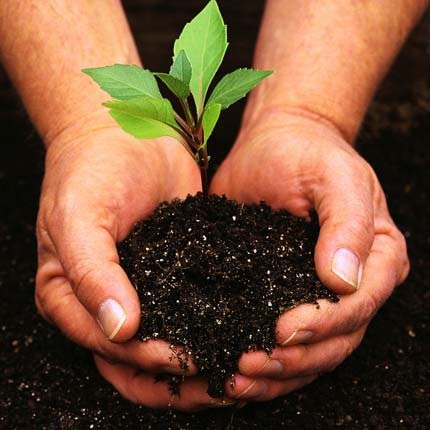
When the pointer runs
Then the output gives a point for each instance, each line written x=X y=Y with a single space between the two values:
x=329 y=56
x=45 y=43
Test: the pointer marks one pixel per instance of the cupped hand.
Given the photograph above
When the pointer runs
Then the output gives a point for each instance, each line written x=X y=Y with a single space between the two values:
x=97 y=184
x=300 y=162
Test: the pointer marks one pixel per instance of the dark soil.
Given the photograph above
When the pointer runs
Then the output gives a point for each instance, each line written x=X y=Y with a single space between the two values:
x=213 y=276
x=46 y=382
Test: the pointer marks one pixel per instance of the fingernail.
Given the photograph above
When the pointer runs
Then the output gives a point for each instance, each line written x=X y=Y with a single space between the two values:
x=346 y=265
x=111 y=317
x=298 y=336
x=255 y=389
x=272 y=367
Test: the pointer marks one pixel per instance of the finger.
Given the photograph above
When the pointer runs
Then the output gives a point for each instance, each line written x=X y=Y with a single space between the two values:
x=344 y=204
x=308 y=323
x=301 y=360
x=263 y=389
x=144 y=389
x=87 y=251
x=281 y=388
x=242 y=387
x=61 y=306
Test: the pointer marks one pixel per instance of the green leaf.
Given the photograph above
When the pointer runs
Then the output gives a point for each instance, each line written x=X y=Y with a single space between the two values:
x=124 y=82
x=209 y=120
x=159 y=109
x=236 y=85
x=181 y=68
x=204 y=41
x=145 y=117
x=179 y=88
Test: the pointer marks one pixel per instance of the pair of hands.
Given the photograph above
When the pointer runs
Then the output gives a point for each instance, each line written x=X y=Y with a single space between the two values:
x=98 y=184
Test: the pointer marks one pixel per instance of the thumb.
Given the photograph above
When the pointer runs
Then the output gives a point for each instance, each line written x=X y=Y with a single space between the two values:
x=87 y=252
x=345 y=212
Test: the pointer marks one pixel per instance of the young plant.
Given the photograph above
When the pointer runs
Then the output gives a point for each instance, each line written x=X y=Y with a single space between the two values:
x=140 y=109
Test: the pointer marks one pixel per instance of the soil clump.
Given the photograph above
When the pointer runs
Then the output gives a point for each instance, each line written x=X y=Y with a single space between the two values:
x=214 y=275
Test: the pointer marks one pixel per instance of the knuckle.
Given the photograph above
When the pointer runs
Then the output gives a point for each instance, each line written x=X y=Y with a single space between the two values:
x=356 y=317
x=40 y=297
x=400 y=241
x=65 y=206
x=405 y=272
x=356 y=209
x=40 y=227
x=360 y=167
x=47 y=207
x=369 y=306
x=39 y=306
x=349 y=163
x=379 y=198
x=120 y=195
x=345 y=348
x=330 y=367
x=80 y=276
x=402 y=246
x=399 y=254
x=362 y=225
x=101 y=346
x=61 y=211
x=360 y=228
x=60 y=202
x=404 y=258
x=298 y=354
x=348 y=349
x=42 y=233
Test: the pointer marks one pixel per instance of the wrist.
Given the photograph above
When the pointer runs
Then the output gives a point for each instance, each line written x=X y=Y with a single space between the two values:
x=104 y=143
x=317 y=68
x=265 y=108
x=271 y=119
x=68 y=127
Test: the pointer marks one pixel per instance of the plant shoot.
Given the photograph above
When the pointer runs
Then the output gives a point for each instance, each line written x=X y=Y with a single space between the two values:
x=140 y=109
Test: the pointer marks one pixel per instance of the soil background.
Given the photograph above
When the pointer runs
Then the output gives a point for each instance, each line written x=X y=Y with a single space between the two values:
x=46 y=382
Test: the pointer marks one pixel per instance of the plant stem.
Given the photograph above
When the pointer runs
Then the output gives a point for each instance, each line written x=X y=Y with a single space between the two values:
x=203 y=164
x=202 y=152
x=195 y=142
x=187 y=111
x=183 y=124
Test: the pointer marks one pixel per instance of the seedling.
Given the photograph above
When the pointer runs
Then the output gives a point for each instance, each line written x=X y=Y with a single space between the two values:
x=141 y=110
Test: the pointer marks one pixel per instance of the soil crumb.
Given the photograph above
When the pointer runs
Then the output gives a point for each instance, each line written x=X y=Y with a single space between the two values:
x=214 y=275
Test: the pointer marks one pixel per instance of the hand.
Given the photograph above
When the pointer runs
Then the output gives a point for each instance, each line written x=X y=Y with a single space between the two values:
x=298 y=161
x=96 y=186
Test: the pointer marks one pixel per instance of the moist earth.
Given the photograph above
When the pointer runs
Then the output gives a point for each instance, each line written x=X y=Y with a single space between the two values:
x=213 y=276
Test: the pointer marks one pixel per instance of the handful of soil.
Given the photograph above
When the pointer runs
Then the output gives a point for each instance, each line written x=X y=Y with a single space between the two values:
x=214 y=275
